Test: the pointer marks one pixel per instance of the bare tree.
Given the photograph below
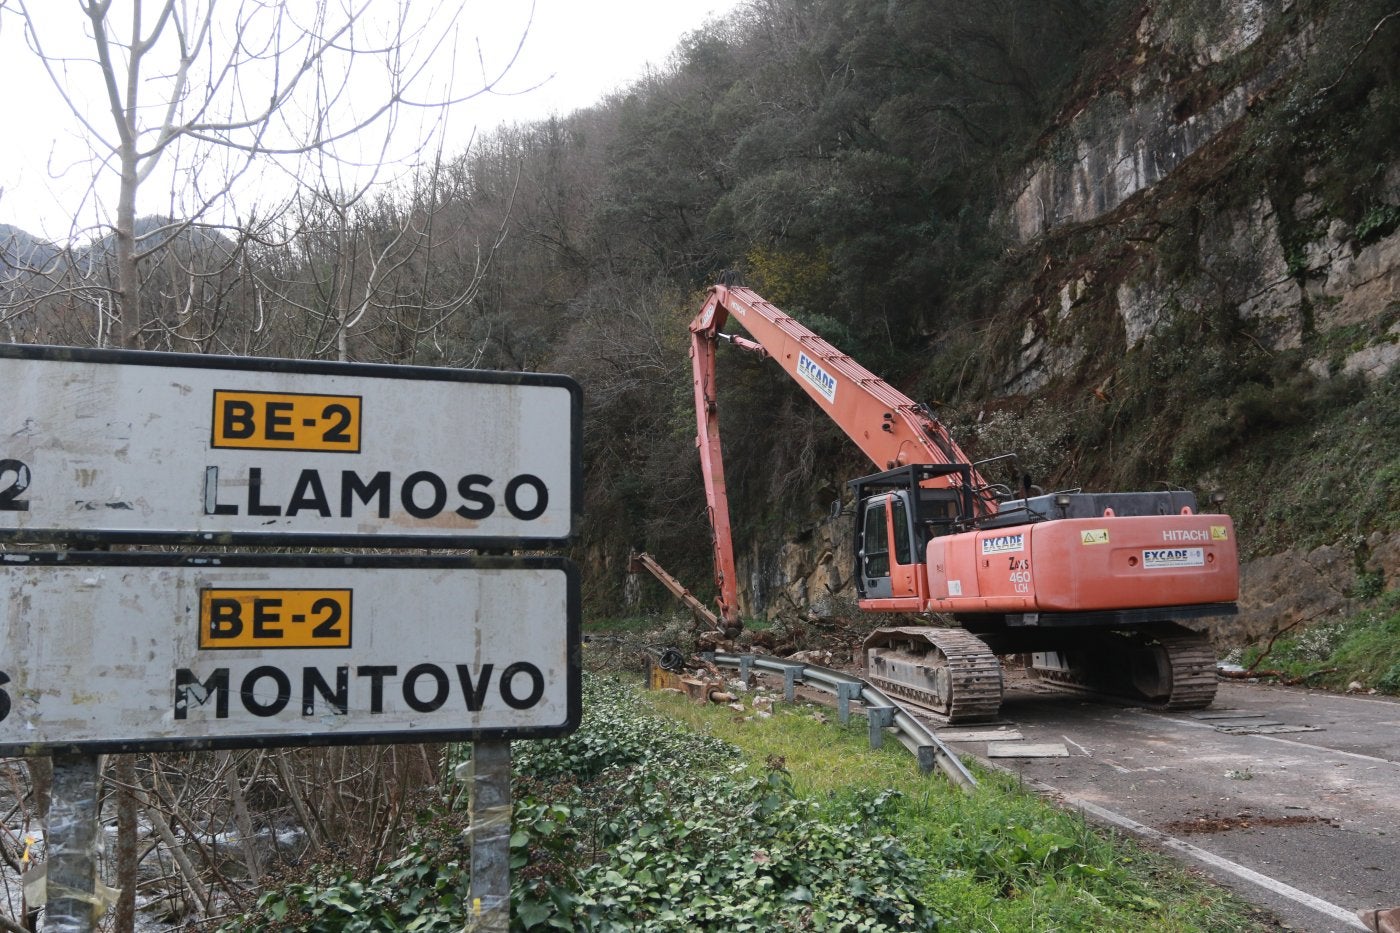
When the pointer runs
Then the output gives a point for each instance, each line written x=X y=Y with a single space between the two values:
x=231 y=106
x=220 y=94
x=378 y=277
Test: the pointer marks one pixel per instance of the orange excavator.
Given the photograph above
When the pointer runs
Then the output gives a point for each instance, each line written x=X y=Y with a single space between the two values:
x=1092 y=589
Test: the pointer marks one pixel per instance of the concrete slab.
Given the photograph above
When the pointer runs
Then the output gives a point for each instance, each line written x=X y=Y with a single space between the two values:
x=1026 y=750
x=985 y=735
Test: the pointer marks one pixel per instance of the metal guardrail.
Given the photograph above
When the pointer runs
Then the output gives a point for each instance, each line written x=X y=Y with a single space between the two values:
x=882 y=711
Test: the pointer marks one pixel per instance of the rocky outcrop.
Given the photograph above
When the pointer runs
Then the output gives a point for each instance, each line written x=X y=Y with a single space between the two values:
x=1350 y=284
x=1298 y=588
x=1129 y=139
x=1152 y=120
x=1341 y=284
x=1291 y=589
x=808 y=575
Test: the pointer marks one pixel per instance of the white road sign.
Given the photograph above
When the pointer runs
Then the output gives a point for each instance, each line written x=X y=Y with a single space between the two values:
x=114 y=446
x=130 y=652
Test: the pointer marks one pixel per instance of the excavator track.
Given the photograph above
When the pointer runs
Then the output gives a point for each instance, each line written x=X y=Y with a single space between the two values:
x=1166 y=671
x=948 y=672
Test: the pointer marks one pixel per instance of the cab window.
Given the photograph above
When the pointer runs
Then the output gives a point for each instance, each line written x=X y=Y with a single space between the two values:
x=903 y=550
x=874 y=542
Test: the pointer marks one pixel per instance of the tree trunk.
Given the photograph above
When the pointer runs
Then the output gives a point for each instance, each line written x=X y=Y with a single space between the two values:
x=127 y=852
x=126 y=328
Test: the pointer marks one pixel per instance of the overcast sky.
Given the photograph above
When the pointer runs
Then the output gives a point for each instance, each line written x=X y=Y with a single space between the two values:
x=576 y=51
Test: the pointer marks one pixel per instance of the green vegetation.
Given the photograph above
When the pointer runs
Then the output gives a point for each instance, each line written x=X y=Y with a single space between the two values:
x=1364 y=649
x=1321 y=464
x=421 y=890
x=998 y=859
x=662 y=815
x=853 y=161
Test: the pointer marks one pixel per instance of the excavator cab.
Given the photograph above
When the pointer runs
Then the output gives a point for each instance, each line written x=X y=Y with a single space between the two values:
x=896 y=516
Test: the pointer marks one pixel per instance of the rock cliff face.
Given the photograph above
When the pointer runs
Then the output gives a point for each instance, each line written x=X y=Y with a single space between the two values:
x=1155 y=118
x=1338 y=284
x=1170 y=117
x=1163 y=133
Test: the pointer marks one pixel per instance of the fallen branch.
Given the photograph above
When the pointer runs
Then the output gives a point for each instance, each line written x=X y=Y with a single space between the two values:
x=1249 y=674
x=1360 y=47
x=1298 y=680
x=1282 y=676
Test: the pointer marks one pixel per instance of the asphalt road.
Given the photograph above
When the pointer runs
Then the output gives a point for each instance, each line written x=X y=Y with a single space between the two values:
x=1306 y=823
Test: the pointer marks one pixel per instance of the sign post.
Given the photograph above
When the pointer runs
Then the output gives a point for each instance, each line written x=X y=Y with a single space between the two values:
x=489 y=814
x=139 y=651
x=71 y=878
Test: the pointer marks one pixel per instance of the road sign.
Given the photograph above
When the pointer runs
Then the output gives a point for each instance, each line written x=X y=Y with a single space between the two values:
x=128 y=447
x=122 y=652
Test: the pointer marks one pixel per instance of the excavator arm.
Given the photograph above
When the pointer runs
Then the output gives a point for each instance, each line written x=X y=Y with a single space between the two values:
x=893 y=430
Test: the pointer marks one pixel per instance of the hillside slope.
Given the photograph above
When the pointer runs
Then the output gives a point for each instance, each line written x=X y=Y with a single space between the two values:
x=1200 y=286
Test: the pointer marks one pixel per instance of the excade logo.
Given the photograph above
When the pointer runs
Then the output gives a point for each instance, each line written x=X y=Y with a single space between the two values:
x=1168 y=557
x=820 y=379
x=1002 y=544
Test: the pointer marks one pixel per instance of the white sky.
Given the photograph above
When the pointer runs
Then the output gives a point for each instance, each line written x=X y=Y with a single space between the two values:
x=577 y=50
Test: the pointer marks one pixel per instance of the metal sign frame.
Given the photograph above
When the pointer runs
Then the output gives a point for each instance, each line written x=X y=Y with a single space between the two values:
x=346 y=567
x=13 y=482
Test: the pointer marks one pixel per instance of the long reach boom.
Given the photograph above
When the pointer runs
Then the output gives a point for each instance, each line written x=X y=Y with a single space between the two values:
x=892 y=429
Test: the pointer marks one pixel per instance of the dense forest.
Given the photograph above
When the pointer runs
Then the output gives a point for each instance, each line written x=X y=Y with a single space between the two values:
x=861 y=165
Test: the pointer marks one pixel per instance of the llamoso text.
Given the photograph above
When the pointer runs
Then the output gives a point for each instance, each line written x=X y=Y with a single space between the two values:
x=332 y=424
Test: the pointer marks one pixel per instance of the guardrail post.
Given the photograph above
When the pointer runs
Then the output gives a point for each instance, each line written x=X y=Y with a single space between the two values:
x=791 y=677
x=745 y=663
x=845 y=693
x=881 y=718
x=928 y=758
